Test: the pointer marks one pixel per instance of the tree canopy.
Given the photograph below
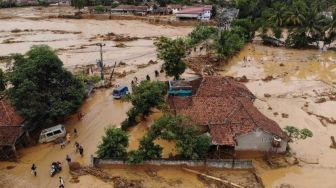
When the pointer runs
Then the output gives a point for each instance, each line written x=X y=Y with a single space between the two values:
x=171 y=51
x=228 y=43
x=147 y=95
x=41 y=87
x=308 y=21
x=114 y=144
x=79 y=4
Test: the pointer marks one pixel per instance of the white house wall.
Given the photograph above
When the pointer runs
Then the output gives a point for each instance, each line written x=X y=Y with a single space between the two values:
x=258 y=141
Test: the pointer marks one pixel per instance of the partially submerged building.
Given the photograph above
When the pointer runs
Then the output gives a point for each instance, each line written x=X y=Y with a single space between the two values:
x=11 y=131
x=130 y=9
x=195 y=12
x=224 y=108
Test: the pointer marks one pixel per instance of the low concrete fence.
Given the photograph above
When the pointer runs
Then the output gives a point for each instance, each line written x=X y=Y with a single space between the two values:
x=211 y=163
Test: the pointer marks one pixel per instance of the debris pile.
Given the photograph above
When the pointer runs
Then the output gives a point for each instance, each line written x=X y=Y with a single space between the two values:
x=241 y=79
x=267 y=78
x=99 y=173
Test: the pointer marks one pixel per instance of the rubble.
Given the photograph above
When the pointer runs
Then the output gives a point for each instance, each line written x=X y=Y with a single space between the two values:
x=241 y=79
x=120 y=45
x=74 y=166
x=320 y=100
x=267 y=95
x=283 y=115
x=267 y=78
x=117 y=181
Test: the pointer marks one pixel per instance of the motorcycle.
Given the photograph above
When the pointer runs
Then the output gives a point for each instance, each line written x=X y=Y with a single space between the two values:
x=55 y=168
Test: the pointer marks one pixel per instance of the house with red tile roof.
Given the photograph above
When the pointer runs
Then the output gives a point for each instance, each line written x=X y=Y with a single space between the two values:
x=224 y=108
x=195 y=12
x=11 y=132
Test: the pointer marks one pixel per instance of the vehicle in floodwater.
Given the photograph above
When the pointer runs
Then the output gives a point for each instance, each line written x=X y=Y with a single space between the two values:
x=120 y=92
x=52 y=133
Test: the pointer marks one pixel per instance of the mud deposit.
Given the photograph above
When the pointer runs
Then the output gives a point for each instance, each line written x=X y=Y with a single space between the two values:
x=296 y=88
x=75 y=40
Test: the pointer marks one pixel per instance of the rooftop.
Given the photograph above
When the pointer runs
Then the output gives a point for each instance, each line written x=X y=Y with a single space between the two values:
x=195 y=10
x=8 y=116
x=130 y=8
x=226 y=107
x=10 y=124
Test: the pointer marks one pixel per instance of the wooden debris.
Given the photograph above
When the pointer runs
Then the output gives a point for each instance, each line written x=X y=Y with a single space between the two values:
x=212 y=177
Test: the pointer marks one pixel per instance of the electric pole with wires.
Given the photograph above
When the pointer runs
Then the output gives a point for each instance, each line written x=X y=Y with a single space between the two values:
x=100 y=62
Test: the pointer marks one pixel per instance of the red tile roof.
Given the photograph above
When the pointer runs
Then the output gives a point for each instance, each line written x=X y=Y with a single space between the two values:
x=8 y=116
x=195 y=10
x=218 y=86
x=226 y=107
x=10 y=124
x=130 y=8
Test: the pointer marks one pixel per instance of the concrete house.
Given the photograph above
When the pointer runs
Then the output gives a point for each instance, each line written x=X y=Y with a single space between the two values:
x=199 y=13
x=224 y=108
x=174 y=8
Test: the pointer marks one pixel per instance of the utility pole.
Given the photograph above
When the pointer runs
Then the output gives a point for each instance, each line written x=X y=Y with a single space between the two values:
x=100 y=62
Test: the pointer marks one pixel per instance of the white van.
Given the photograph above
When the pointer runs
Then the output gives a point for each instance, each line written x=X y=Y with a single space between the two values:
x=52 y=133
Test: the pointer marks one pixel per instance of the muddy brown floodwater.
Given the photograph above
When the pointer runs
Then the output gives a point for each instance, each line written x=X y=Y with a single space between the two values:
x=298 y=79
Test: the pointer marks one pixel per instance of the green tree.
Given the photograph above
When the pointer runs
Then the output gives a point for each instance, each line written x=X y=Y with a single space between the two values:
x=41 y=87
x=79 y=4
x=202 y=146
x=99 y=9
x=171 y=52
x=292 y=131
x=148 y=149
x=192 y=147
x=296 y=14
x=114 y=144
x=247 y=26
x=147 y=95
x=200 y=33
x=2 y=81
x=227 y=44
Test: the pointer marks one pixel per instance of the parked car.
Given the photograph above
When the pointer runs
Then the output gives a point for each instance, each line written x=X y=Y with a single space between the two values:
x=52 y=133
x=120 y=92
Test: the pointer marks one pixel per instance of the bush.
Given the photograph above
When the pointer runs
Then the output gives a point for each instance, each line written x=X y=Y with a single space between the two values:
x=294 y=132
x=99 y=9
x=114 y=144
x=304 y=133
x=135 y=157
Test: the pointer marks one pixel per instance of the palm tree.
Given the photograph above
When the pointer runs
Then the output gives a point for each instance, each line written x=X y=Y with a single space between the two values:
x=278 y=12
x=313 y=25
x=295 y=15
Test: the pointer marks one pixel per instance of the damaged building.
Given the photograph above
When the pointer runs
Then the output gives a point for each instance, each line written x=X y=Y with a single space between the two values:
x=224 y=108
